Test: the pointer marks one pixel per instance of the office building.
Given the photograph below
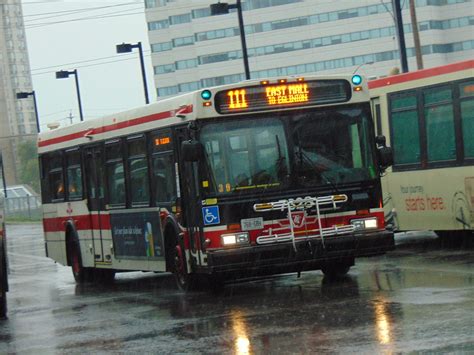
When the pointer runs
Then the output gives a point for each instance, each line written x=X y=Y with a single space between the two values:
x=192 y=50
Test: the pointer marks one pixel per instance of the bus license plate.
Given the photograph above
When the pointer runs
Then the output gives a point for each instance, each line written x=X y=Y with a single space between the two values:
x=251 y=224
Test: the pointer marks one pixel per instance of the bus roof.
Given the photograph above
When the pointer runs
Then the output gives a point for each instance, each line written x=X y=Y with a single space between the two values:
x=421 y=74
x=126 y=122
x=166 y=112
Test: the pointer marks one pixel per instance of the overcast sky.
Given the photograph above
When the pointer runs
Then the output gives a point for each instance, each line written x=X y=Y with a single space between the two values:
x=82 y=35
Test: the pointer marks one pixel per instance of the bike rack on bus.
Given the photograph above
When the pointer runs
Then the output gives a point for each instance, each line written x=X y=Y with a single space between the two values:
x=330 y=202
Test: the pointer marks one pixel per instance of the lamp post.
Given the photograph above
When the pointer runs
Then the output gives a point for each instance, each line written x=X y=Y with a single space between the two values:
x=223 y=8
x=127 y=48
x=25 y=95
x=397 y=9
x=63 y=74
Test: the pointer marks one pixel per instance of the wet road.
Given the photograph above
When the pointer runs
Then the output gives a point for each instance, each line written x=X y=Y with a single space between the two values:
x=409 y=300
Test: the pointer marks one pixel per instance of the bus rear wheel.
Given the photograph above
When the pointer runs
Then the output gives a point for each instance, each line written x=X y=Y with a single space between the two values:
x=80 y=273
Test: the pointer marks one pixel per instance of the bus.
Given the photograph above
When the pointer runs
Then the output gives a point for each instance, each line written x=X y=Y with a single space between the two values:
x=428 y=118
x=242 y=180
x=3 y=247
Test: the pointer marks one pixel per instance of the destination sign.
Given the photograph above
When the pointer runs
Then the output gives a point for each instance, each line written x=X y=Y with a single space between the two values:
x=283 y=94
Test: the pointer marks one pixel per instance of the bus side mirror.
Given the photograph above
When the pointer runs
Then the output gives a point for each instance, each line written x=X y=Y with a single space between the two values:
x=191 y=150
x=384 y=153
x=385 y=157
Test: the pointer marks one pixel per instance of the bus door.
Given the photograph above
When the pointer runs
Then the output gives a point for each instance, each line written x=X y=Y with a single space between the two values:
x=188 y=173
x=377 y=115
x=95 y=196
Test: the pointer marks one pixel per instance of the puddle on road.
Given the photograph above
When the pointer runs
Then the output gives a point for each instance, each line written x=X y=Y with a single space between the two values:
x=430 y=296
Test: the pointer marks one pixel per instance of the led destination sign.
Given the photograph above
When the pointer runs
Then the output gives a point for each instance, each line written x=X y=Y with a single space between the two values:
x=271 y=96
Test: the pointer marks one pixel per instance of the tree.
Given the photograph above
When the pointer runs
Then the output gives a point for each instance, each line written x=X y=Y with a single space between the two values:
x=29 y=169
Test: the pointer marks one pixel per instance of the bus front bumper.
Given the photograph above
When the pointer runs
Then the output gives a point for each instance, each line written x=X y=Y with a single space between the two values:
x=309 y=255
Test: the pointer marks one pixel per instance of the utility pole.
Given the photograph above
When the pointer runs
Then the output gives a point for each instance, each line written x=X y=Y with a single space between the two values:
x=416 y=35
x=397 y=11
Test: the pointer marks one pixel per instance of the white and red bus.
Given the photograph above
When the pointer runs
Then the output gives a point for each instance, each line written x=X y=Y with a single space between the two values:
x=428 y=119
x=260 y=177
x=3 y=247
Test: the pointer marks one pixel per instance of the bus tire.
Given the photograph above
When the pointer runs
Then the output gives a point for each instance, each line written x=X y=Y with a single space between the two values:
x=3 y=281
x=334 y=270
x=81 y=274
x=184 y=280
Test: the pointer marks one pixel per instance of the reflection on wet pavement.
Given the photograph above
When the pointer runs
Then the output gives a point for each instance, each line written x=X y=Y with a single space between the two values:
x=406 y=301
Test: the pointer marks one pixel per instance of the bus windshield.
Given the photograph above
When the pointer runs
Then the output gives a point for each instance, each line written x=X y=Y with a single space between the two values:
x=299 y=148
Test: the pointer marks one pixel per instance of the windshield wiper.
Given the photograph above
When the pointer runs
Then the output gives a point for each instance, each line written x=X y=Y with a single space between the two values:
x=304 y=157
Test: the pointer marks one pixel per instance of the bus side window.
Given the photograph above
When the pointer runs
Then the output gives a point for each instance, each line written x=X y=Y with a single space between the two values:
x=467 y=116
x=74 y=175
x=405 y=127
x=115 y=174
x=44 y=162
x=138 y=169
x=56 y=177
x=164 y=177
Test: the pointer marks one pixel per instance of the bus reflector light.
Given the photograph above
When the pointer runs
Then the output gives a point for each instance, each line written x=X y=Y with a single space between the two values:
x=206 y=94
x=207 y=104
x=264 y=82
x=357 y=88
x=356 y=79
x=262 y=206
x=282 y=81
x=300 y=79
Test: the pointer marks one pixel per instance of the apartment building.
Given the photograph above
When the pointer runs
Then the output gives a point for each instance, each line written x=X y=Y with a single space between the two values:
x=17 y=117
x=191 y=49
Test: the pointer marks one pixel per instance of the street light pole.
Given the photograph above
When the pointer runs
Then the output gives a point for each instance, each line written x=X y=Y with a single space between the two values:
x=24 y=95
x=126 y=48
x=76 y=76
x=397 y=9
x=62 y=74
x=223 y=8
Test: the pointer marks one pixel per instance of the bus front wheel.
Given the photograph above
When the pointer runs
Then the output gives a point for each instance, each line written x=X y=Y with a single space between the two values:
x=335 y=270
x=184 y=280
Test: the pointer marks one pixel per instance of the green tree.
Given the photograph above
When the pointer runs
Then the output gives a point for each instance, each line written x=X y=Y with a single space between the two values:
x=29 y=169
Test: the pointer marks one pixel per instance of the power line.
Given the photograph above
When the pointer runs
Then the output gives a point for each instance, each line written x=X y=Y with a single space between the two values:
x=80 y=18
x=80 y=10
x=91 y=60
x=91 y=65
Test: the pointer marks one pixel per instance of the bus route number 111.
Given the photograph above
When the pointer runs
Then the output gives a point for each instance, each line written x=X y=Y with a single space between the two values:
x=237 y=99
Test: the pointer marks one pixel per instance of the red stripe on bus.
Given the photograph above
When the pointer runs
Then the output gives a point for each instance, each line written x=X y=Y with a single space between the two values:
x=83 y=222
x=115 y=126
x=421 y=74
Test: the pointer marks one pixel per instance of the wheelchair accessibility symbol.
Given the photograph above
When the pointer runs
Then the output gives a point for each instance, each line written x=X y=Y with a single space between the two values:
x=210 y=215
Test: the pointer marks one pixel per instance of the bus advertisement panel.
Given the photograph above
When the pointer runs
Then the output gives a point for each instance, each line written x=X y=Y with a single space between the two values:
x=260 y=177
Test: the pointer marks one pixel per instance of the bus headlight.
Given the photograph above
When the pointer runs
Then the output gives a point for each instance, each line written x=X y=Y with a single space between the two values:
x=235 y=239
x=366 y=223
